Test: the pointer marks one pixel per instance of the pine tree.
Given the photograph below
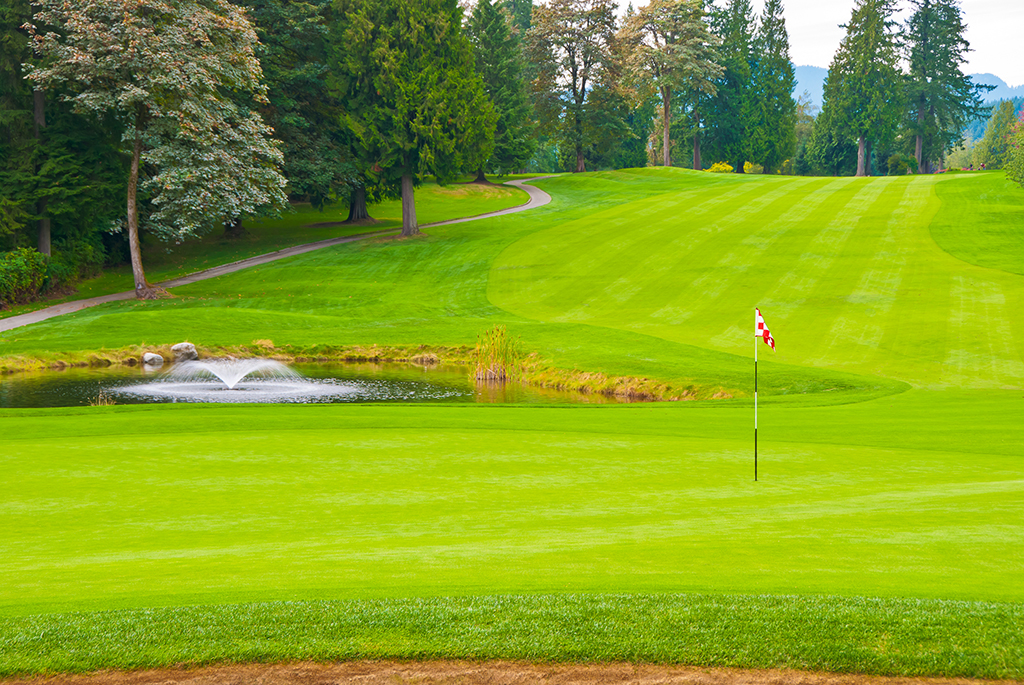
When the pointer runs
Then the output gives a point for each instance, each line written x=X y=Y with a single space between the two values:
x=303 y=112
x=521 y=12
x=941 y=99
x=862 y=98
x=669 y=49
x=499 y=62
x=732 y=111
x=773 y=131
x=993 y=150
x=415 y=104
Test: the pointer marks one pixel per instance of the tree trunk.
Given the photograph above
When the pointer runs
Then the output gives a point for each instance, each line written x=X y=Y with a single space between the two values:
x=581 y=163
x=39 y=123
x=481 y=178
x=409 y=226
x=697 y=166
x=233 y=229
x=143 y=290
x=666 y=122
x=862 y=156
x=357 y=207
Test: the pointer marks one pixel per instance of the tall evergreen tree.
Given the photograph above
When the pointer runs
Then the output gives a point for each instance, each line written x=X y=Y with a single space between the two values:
x=773 y=130
x=572 y=39
x=993 y=150
x=941 y=99
x=521 y=12
x=732 y=110
x=499 y=62
x=862 y=98
x=303 y=112
x=414 y=102
x=669 y=49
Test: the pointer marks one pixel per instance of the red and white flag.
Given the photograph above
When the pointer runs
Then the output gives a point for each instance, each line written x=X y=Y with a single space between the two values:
x=762 y=330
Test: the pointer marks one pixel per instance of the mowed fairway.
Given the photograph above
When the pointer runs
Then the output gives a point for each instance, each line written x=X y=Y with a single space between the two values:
x=891 y=462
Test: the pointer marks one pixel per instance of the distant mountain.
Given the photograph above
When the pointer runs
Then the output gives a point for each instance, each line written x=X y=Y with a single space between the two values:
x=1002 y=90
x=811 y=79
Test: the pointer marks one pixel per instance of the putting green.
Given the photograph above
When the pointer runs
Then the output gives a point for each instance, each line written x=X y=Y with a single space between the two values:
x=890 y=431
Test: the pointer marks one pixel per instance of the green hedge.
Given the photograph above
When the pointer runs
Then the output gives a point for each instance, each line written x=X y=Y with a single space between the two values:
x=22 y=275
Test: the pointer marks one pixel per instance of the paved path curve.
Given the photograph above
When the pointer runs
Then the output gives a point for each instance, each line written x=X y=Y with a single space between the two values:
x=538 y=198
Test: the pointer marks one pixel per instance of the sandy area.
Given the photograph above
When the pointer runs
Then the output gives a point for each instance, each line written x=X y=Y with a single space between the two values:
x=473 y=673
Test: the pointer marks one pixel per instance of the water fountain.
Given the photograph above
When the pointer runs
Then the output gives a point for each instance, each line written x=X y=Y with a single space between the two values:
x=238 y=380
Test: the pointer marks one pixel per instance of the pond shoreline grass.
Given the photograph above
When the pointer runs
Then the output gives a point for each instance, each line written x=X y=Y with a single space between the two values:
x=534 y=370
x=857 y=635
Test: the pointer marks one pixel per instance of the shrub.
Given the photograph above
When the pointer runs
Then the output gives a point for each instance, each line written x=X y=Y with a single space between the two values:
x=22 y=274
x=721 y=168
x=751 y=168
x=901 y=165
x=71 y=261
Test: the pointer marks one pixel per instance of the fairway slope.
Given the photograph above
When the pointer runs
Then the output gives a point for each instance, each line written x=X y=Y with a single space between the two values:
x=885 y=532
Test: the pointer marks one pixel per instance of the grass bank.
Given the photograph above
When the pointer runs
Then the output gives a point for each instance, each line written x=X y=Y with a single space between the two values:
x=852 y=635
x=299 y=225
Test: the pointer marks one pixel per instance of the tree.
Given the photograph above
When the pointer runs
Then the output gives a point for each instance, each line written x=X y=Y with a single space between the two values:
x=499 y=62
x=1015 y=164
x=774 y=119
x=994 y=148
x=59 y=171
x=941 y=99
x=670 y=48
x=169 y=72
x=414 y=103
x=304 y=113
x=574 y=38
x=521 y=12
x=731 y=112
x=862 y=98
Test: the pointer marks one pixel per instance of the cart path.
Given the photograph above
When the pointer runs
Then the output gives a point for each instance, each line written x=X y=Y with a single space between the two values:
x=537 y=198
x=473 y=673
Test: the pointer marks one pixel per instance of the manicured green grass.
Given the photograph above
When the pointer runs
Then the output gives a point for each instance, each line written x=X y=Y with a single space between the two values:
x=892 y=636
x=890 y=446
x=302 y=224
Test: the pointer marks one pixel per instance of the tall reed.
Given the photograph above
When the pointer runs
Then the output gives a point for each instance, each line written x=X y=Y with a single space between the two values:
x=499 y=357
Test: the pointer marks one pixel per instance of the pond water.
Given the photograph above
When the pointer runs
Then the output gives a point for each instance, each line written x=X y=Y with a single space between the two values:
x=317 y=383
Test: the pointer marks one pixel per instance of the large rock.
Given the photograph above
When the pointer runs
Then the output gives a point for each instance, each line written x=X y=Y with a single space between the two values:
x=184 y=352
x=152 y=359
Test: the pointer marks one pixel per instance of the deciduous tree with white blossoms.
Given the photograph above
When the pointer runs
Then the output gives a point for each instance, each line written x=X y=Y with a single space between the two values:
x=184 y=78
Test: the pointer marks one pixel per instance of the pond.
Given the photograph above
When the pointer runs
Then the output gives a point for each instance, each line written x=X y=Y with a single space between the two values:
x=314 y=383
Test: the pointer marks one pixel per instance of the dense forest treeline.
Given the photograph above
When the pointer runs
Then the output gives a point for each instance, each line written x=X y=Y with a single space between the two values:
x=123 y=118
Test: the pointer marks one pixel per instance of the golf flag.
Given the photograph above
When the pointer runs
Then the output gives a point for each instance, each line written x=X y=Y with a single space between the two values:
x=762 y=330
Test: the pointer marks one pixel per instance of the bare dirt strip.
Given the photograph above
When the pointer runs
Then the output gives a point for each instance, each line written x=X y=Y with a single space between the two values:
x=473 y=673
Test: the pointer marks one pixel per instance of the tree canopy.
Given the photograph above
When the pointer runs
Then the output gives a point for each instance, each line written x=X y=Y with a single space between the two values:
x=941 y=99
x=413 y=101
x=184 y=80
x=500 y=64
x=574 y=37
x=863 y=97
x=773 y=134
x=670 y=49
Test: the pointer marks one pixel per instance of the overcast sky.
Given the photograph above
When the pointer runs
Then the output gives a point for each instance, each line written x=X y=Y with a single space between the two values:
x=995 y=29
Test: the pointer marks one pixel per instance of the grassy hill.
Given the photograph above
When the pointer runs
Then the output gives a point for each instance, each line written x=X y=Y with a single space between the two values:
x=887 y=527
